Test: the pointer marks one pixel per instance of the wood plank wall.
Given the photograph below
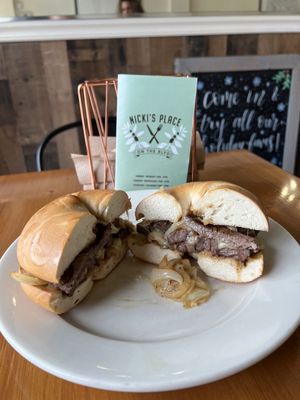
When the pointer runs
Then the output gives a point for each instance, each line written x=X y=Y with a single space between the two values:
x=38 y=82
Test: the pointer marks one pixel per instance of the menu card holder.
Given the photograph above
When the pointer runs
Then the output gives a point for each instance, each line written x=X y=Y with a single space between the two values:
x=95 y=100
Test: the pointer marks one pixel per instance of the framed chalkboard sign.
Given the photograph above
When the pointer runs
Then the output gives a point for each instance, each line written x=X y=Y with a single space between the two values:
x=248 y=102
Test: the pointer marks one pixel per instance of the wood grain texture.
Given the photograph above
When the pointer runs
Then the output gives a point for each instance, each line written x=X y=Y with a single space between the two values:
x=60 y=95
x=42 y=77
x=34 y=190
x=91 y=59
x=217 y=46
x=274 y=378
x=7 y=113
x=242 y=45
x=11 y=155
x=3 y=74
x=24 y=68
x=284 y=43
x=138 y=56
x=163 y=51
x=196 y=46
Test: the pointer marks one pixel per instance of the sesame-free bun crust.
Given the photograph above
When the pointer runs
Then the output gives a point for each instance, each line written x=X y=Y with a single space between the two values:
x=106 y=205
x=54 y=236
x=59 y=231
x=229 y=269
x=215 y=202
x=53 y=300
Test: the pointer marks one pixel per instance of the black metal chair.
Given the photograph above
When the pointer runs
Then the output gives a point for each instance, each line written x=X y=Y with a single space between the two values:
x=40 y=153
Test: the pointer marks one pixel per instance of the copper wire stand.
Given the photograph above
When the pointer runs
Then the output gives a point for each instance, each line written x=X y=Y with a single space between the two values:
x=90 y=110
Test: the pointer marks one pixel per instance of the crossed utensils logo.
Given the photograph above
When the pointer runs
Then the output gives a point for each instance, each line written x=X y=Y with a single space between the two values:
x=172 y=144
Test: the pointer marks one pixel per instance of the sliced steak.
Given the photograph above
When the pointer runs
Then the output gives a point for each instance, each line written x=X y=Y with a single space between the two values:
x=85 y=261
x=104 y=238
x=240 y=254
x=177 y=236
x=194 y=237
x=195 y=243
x=161 y=226
x=221 y=234
x=77 y=272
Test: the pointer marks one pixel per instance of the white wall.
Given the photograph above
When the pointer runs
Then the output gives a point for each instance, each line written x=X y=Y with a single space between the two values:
x=6 y=8
x=225 y=5
x=66 y=7
x=98 y=6
x=156 y=6
x=153 y=6
x=281 y=5
x=38 y=7
x=162 y=6
x=179 y=5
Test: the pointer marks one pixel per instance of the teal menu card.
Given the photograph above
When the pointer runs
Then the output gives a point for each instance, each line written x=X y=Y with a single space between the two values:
x=154 y=130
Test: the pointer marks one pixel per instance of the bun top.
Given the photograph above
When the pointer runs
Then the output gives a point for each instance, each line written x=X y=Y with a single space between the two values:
x=59 y=231
x=214 y=202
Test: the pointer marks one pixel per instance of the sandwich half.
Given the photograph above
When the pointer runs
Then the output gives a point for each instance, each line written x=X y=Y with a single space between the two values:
x=214 y=222
x=69 y=243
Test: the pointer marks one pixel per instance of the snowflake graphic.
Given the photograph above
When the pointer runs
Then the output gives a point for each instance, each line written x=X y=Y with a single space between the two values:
x=132 y=137
x=281 y=107
x=256 y=81
x=200 y=85
x=228 y=80
x=284 y=78
x=175 y=139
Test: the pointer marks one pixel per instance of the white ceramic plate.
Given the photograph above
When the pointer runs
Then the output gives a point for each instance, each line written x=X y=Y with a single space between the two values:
x=124 y=337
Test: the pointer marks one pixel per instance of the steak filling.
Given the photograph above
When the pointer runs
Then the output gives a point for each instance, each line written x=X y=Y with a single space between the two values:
x=192 y=236
x=89 y=258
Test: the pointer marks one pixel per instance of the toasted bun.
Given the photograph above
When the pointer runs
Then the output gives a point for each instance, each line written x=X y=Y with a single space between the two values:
x=115 y=255
x=106 y=205
x=150 y=252
x=215 y=202
x=54 y=236
x=229 y=269
x=58 y=232
x=53 y=300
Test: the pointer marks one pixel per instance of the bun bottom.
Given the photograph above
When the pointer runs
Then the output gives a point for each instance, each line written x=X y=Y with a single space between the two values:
x=53 y=300
x=229 y=269
x=224 y=268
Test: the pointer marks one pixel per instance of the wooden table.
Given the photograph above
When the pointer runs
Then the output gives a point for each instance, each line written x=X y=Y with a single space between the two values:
x=276 y=377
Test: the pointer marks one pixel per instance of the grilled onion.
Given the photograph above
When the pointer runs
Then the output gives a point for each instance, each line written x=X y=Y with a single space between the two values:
x=157 y=236
x=165 y=273
x=24 y=277
x=178 y=280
